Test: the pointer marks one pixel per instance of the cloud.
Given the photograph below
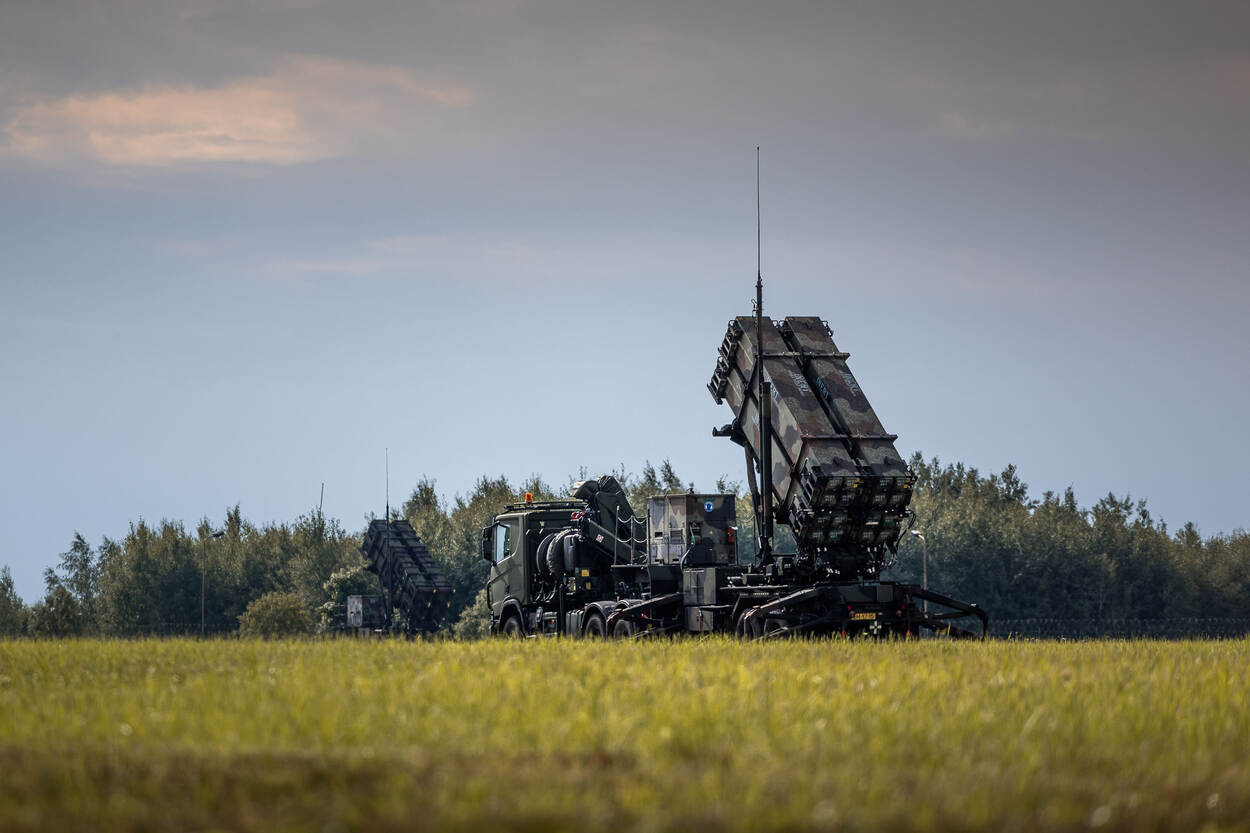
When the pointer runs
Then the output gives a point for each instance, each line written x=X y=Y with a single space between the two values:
x=309 y=108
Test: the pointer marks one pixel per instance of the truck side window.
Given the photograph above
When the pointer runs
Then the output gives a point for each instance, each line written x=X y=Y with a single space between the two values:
x=503 y=541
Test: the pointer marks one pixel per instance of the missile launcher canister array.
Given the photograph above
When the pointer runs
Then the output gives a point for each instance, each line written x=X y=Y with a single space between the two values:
x=411 y=581
x=836 y=477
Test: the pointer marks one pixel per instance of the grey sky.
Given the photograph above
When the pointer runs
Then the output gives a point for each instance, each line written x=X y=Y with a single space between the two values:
x=245 y=246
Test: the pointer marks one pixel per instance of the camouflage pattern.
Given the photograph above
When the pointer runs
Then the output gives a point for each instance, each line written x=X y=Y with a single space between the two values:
x=887 y=481
x=702 y=526
x=836 y=476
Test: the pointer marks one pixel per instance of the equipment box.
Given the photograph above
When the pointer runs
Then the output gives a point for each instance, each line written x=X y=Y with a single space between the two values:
x=365 y=612
x=703 y=527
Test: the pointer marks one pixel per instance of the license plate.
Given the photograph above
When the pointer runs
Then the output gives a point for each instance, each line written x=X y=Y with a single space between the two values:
x=858 y=616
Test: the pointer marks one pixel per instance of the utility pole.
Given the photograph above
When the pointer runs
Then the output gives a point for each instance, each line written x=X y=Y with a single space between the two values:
x=924 y=560
x=204 y=574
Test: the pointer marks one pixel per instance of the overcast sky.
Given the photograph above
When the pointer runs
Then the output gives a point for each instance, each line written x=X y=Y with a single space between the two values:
x=244 y=247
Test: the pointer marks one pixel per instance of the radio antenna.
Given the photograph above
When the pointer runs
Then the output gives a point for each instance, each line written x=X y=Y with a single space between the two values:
x=759 y=275
x=765 y=528
x=388 y=487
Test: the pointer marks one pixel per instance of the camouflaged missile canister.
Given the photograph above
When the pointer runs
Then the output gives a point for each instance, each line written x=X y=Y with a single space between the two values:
x=803 y=437
x=699 y=528
x=842 y=396
x=836 y=478
x=887 y=480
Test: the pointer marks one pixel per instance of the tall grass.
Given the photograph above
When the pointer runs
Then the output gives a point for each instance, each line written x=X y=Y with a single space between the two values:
x=709 y=734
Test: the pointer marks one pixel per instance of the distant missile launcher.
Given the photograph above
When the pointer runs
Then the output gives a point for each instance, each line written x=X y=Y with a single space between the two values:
x=410 y=580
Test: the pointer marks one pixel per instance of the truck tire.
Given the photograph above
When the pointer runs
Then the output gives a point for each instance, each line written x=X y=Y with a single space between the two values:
x=595 y=627
x=511 y=627
x=624 y=629
x=773 y=624
x=544 y=547
x=558 y=564
x=749 y=628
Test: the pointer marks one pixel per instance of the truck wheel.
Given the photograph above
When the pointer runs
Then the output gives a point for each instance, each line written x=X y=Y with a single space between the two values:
x=772 y=625
x=624 y=629
x=595 y=628
x=749 y=628
x=511 y=628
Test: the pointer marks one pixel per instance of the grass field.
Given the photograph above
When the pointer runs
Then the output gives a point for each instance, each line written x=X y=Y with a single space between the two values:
x=689 y=735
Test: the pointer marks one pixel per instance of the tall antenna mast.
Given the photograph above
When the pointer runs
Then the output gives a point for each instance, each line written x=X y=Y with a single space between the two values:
x=765 y=508
x=759 y=275
x=388 y=487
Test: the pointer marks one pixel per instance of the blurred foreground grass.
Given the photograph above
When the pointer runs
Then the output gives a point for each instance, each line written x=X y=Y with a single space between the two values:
x=697 y=734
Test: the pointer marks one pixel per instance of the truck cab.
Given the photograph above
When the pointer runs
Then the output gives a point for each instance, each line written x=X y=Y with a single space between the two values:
x=517 y=582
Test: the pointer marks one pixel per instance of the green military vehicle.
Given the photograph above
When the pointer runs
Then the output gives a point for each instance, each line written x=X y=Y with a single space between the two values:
x=818 y=460
x=579 y=566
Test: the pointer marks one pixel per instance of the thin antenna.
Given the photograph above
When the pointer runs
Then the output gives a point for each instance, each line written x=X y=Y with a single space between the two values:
x=388 y=487
x=322 y=501
x=765 y=520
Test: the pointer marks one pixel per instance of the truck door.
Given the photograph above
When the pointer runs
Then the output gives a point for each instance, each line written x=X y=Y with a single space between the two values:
x=507 y=577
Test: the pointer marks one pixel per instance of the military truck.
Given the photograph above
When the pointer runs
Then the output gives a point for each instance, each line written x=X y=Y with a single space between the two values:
x=575 y=566
x=818 y=460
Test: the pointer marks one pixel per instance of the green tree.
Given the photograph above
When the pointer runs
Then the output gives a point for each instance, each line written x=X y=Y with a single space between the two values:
x=474 y=621
x=317 y=548
x=353 y=580
x=12 y=609
x=79 y=573
x=58 y=615
x=669 y=481
x=275 y=615
x=642 y=487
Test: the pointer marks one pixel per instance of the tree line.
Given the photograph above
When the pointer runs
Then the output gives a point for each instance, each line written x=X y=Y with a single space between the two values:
x=1021 y=557
x=987 y=541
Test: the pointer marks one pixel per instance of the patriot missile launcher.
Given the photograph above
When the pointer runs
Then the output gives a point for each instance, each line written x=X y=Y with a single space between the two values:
x=826 y=467
x=411 y=583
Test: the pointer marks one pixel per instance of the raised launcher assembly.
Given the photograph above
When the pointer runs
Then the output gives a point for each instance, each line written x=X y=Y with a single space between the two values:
x=836 y=477
x=833 y=475
x=411 y=582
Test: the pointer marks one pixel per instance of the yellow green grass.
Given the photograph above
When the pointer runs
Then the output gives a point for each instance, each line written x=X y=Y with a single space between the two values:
x=687 y=735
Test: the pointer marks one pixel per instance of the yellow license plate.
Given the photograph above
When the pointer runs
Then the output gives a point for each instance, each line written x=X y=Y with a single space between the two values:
x=869 y=616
